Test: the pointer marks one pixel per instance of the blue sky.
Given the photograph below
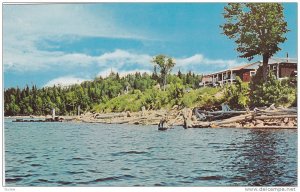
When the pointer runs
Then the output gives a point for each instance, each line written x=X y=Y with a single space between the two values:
x=68 y=43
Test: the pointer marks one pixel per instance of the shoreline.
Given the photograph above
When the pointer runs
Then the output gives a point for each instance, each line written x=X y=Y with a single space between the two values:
x=36 y=116
x=262 y=119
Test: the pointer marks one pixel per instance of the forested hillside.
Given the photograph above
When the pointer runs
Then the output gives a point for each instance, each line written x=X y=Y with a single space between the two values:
x=98 y=94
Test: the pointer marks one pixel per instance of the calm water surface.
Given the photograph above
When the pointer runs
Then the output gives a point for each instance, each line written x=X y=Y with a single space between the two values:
x=78 y=154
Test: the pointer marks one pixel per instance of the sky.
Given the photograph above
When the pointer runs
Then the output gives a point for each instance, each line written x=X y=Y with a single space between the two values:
x=47 y=44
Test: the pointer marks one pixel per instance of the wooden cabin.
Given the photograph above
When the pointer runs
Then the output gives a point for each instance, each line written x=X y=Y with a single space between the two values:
x=245 y=72
x=282 y=68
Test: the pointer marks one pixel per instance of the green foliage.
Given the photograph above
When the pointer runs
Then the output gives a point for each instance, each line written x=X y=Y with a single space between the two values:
x=132 y=92
x=121 y=103
x=165 y=65
x=11 y=107
x=154 y=99
x=175 y=92
x=237 y=95
x=189 y=99
x=206 y=97
x=101 y=94
x=272 y=91
x=257 y=28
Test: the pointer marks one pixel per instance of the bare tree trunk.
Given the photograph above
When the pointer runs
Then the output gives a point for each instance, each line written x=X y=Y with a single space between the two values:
x=265 y=66
x=165 y=82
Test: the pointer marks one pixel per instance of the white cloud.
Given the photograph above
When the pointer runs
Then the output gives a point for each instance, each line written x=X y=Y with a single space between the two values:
x=121 y=61
x=36 y=60
x=195 y=59
x=122 y=73
x=105 y=73
x=25 y=25
x=199 y=63
x=60 y=19
x=200 y=59
x=65 y=81
x=121 y=58
x=124 y=63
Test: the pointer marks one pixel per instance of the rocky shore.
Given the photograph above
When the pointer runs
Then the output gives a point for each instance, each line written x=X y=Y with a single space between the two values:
x=273 y=118
x=277 y=119
x=151 y=117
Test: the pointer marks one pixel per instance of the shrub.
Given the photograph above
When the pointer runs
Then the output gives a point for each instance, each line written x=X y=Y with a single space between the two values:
x=273 y=91
x=237 y=94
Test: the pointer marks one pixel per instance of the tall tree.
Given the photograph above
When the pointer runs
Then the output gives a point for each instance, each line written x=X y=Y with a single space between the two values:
x=179 y=74
x=257 y=28
x=165 y=65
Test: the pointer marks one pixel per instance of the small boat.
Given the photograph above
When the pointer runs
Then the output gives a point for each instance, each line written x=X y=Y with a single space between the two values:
x=163 y=126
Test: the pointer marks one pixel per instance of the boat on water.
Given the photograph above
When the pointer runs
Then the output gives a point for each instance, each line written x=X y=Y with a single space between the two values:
x=163 y=125
x=162 y=128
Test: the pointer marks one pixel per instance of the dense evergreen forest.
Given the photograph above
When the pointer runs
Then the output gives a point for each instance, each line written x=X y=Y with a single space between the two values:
x=97 y=95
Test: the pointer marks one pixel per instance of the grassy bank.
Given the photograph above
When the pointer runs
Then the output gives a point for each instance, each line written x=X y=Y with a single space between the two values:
x=154 y=99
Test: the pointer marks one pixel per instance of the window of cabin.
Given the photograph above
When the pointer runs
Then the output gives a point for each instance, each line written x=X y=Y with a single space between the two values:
x=252 y=73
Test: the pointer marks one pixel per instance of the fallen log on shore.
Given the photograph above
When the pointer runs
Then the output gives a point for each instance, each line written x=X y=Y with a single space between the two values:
x=227 y=112
x=109 y=116
x=273 y=127
x=142 y=117
x=275 y=117
x=270 y=118
x=236 y=119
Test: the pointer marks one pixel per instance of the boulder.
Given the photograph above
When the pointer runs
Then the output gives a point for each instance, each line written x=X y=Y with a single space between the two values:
x=248 y=124
x=290 y=124
x=143 y=110
x=258 y=122
x=175 y=107
x=272 y=107
x=259 y=125
x=281 y=124
x=237 y=125
x=194 y=118
x=187 y=123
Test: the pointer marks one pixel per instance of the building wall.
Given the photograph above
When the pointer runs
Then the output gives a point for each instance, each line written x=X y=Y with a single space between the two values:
x=286 y=70
x=246 y=76
x=207 y=79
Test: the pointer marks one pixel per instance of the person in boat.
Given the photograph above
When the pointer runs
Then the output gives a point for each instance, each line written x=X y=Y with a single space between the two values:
x=163 y=123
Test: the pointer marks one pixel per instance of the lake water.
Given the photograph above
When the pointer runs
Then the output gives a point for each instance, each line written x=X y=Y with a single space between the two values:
x=78 y=154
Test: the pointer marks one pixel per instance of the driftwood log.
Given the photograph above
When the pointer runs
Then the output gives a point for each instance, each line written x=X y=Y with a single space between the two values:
x=187 y=118
x=270 y=118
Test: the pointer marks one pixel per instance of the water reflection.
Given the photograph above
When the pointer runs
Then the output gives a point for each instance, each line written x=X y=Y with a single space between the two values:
x=119 y=155
x=263 y=159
